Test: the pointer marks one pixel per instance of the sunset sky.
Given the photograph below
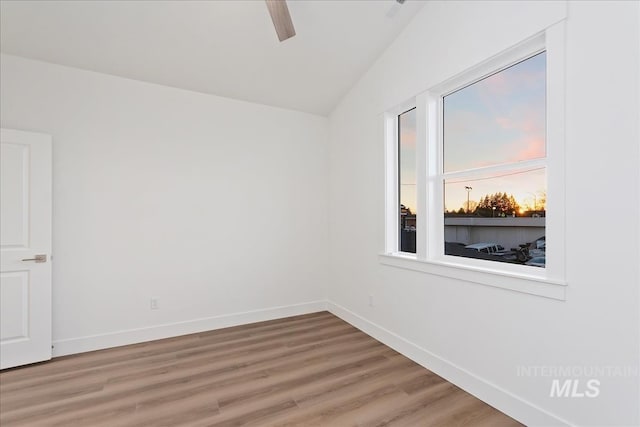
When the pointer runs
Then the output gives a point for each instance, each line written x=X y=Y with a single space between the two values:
x=497 y=120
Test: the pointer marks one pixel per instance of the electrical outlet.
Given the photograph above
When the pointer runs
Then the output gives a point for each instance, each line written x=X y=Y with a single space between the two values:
x=370 y=300
x=153 y=304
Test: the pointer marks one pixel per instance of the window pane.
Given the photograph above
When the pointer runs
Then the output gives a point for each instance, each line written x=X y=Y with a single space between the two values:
x=407 y=180
x=494 y=216
x=499 y=119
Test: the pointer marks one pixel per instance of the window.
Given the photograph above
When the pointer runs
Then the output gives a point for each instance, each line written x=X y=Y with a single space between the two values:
x=475 y=185
x=407 y=180
x=494 y=169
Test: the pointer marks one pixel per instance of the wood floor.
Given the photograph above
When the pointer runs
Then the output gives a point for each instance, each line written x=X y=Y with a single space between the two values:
x=311 y=370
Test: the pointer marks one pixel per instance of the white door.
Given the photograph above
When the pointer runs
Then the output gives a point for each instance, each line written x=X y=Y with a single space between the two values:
x=25 y=248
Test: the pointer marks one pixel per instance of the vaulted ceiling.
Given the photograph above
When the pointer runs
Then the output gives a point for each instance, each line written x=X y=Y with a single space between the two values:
x=227 y=48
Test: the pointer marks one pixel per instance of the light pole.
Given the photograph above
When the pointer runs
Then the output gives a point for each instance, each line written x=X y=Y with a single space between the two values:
x=466 y=187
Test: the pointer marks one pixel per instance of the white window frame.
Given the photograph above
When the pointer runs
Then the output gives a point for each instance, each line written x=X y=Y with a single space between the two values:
x=392 y=202
x=429 y=257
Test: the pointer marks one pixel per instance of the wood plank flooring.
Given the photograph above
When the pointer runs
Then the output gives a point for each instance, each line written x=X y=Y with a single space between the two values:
x=311 y=370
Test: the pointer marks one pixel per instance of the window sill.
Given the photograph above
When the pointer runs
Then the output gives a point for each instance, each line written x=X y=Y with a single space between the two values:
x=498 y=279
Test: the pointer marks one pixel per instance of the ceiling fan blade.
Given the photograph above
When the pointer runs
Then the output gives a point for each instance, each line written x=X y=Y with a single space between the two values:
x=281 y=19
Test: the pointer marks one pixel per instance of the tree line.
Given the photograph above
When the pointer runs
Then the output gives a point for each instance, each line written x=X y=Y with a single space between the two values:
x=499 y=204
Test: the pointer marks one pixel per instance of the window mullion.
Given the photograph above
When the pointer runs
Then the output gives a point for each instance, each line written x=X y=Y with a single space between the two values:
x=435 y=180
x=422 y=196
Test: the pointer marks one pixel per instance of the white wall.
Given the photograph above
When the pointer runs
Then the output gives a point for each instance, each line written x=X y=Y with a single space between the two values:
x=215 y=206
x=218 y=207
x=476 y=335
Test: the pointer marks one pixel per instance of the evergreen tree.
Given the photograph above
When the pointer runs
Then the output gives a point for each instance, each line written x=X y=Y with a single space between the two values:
x=504 y=204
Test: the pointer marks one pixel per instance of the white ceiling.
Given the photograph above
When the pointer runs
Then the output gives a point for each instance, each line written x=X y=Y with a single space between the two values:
x=226 y=48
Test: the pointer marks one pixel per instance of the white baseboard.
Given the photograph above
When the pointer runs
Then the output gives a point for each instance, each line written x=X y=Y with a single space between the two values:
x=134 y=336
x=484 y=390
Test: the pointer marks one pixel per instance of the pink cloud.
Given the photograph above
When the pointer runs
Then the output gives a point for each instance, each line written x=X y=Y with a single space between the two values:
x=408 y=138
x=534 y=148
x=496 y=84
x=528 y=122
x=504 y=123
x=505 y=82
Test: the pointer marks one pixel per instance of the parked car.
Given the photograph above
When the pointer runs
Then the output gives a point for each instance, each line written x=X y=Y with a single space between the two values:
x=487 y=248
x=538 y=247
x=538 y=261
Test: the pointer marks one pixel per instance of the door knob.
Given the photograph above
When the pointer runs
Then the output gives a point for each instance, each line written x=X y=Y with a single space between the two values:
x=38 y=258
